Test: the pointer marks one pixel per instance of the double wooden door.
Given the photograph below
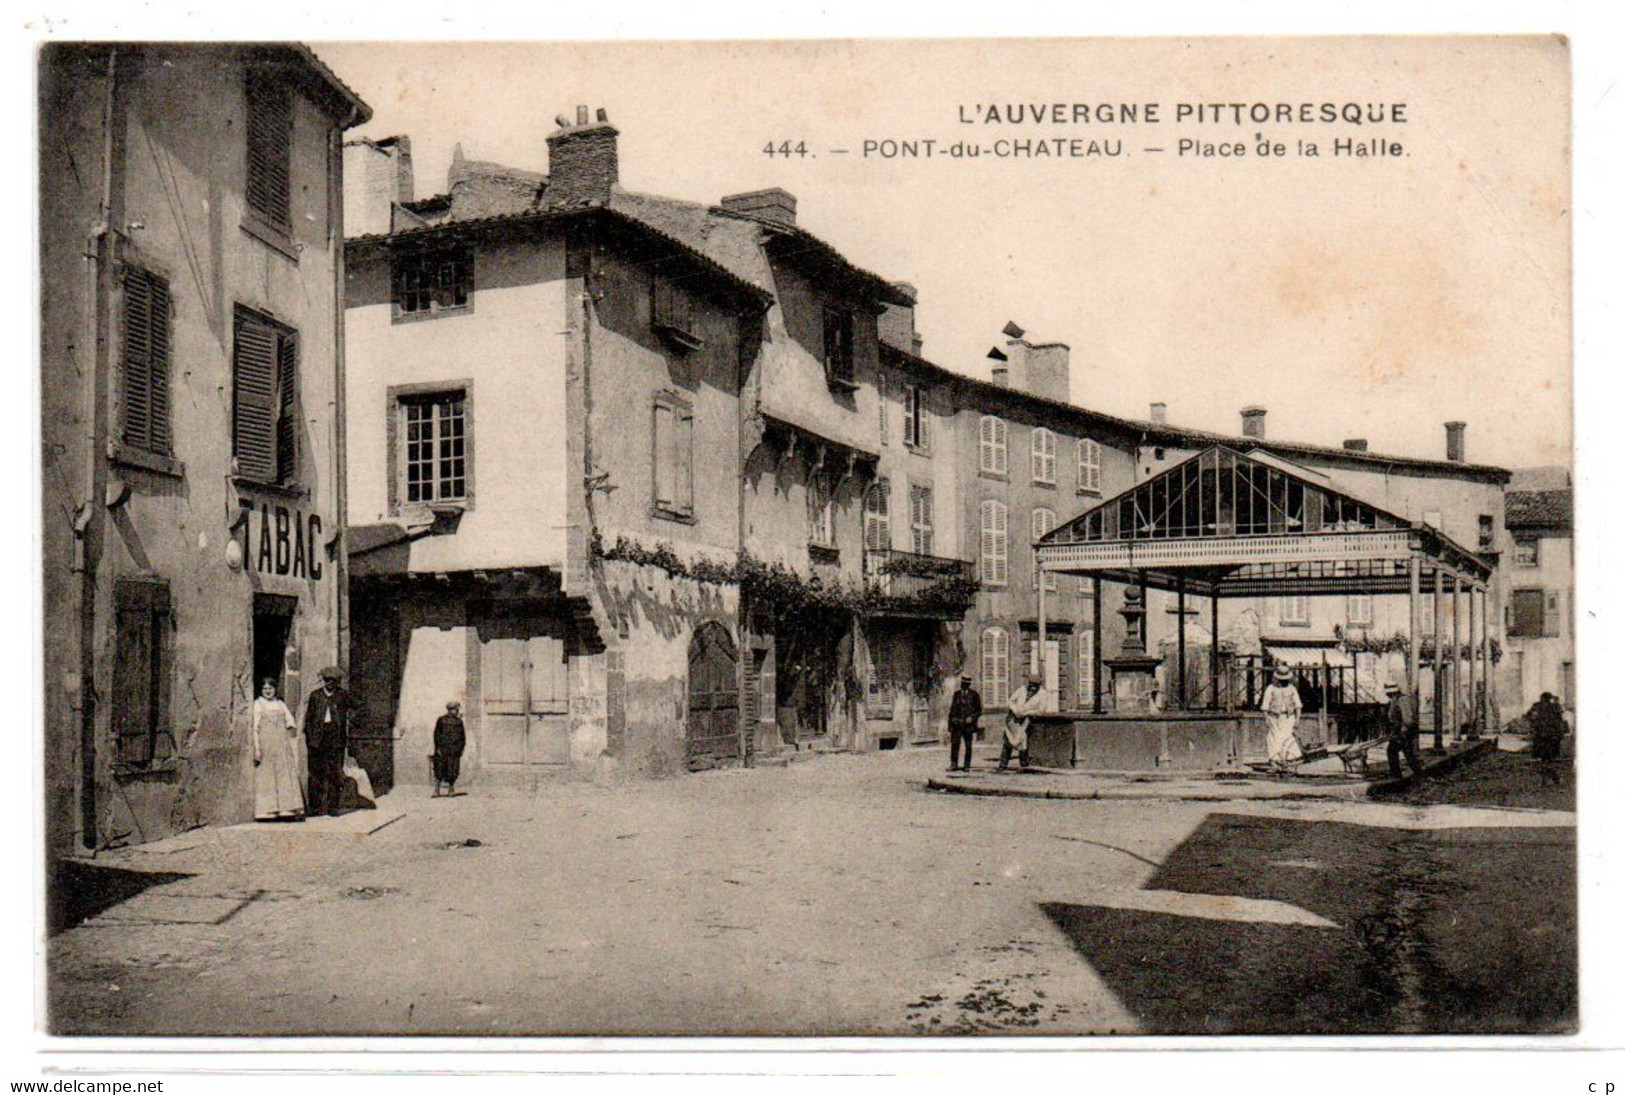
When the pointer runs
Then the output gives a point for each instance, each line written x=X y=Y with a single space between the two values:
x=525 y=702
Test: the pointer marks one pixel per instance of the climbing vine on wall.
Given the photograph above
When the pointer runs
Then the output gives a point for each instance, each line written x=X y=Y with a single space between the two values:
x=1363 y=643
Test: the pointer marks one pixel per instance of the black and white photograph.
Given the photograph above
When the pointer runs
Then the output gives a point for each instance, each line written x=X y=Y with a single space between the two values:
x=940 y=539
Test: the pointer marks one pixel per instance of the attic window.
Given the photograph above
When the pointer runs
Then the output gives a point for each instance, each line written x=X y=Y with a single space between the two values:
x=839 y=368
x=432 y=282
x=672 y=314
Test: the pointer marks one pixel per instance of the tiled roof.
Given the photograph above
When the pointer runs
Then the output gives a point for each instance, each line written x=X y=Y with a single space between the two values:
x=1160 y=433
x=1540 y=509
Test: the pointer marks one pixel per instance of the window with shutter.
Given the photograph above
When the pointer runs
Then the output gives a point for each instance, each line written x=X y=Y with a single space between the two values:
x=140 y=670
x=995 y=554
x=270 y=146
x=673 y=457
x=1043 y=456
x=993 y=454
x=1043 y=524
x=144 y=363
x=1359 y=609
x=838 y=340
x=1086 y=668
x=916 y=429
x=1088 y=466
x=877 y=516
x=1294 y=610
x=1528 y=614
x=995 y=667
x=919 y=519
x=820 y=512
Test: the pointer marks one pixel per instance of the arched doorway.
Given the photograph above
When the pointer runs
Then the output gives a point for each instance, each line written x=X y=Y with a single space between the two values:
x=713 y=697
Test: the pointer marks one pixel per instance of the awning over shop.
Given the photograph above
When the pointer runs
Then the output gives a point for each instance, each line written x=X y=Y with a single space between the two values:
x=1309 y=657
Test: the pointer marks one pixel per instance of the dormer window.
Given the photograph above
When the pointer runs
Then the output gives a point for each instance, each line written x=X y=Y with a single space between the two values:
x=839 y=367
x=672 y=314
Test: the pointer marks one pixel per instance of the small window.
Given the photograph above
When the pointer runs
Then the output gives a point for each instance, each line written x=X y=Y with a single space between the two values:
x=993 y=453
x=673 y=457
x=820 y=512
x=1043 y=446
x=995 y=554
x=1088 y=466
x=1526 y=552
x=1359 y=609
x=1043 y=524
x=1295 y=610
x=141 y=672
x=434 y=443
x=877 y=516
x=916 y=428
x=270 y=150
x=995 y=667
x=434 y=282
x=265 y=425
x=144 y=362
x=1486 y=532
x=839 y=366
x=920 y=519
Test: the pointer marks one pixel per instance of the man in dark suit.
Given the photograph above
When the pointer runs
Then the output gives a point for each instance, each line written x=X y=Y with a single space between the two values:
x=1401 y=729
x=327 y=735
x=964 y=719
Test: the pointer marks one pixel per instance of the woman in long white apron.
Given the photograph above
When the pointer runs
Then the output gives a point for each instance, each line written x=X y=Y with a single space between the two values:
x=1282 y=706
x=279 y=793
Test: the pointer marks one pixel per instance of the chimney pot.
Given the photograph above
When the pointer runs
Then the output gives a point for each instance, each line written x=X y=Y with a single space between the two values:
x=1356 y=444
x=1159 y=413
x=581 y=115
x=1455 y=441
x=603 y=115
x=1252 y=422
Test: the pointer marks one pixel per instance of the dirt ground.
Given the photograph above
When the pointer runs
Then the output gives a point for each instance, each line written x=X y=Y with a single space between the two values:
x=834 y=896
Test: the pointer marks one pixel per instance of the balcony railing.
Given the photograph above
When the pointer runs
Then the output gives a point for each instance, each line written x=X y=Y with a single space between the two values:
x=908 y=584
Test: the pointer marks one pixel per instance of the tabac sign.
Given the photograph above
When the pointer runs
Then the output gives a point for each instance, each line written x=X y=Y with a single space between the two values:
x=282 y=541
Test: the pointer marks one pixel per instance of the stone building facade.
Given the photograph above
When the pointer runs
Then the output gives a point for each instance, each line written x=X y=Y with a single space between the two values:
x=192 y=417
x=1540 y=611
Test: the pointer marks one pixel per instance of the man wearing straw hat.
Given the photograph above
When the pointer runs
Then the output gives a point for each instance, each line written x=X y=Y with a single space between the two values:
x=1282 y=706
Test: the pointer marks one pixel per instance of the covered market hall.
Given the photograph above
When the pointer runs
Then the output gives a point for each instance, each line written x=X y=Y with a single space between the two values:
x=1228 y=524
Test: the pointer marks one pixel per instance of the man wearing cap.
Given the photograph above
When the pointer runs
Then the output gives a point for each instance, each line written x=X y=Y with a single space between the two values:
x=1402 y=731
x=1282 y=705
x=449 y=741
x=327 y=735
x=964 y=717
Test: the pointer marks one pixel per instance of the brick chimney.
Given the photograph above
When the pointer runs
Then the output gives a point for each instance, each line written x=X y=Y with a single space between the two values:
x=1356 y=444
x=1159 y=413
x=583 y=162
x=1455 y=441
x=1252 y=422
x=896 y=323
x=773 y=205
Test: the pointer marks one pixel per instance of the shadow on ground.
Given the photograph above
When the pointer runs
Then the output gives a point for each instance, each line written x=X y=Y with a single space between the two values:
x=80 y=891
x=1437 y=931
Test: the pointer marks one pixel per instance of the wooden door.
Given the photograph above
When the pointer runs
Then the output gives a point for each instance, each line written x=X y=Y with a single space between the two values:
x=525 y=714
x=713 y=696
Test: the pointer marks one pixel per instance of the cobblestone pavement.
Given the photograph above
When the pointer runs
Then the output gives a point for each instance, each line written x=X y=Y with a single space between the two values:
x=835 y=896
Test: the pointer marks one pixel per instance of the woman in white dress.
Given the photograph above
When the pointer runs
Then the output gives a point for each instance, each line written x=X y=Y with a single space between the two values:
x=1282 y=706
x=279 y=793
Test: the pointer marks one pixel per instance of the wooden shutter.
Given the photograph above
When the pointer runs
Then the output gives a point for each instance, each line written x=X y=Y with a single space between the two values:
x=256 y=398
x=919 y=518
x=995 y=667
x=665 y=456
x=145 y=361
x=1043 y=523
x=877 y=517
x=922 y=424
x=139 y=668
x=995 y=553
x=270 y=144
x=881 y=389
x=684 y=456
x=287 y=422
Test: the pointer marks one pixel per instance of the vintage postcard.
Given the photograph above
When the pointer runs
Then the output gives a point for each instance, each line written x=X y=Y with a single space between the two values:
x=810 y=538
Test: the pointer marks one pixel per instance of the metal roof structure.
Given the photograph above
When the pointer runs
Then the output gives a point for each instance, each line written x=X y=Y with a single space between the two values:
x=1228 y=524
